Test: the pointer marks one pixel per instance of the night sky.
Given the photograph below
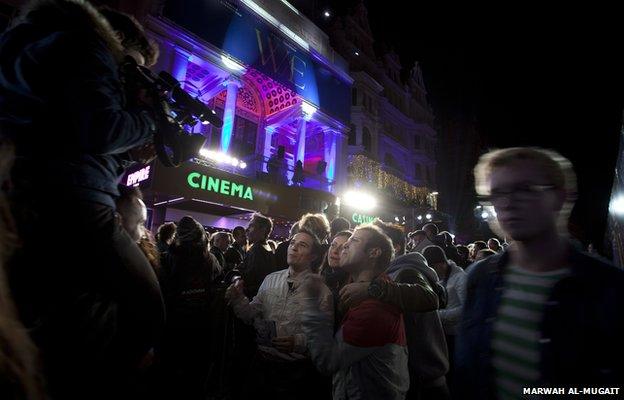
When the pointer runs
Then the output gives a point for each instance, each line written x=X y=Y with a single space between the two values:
x=530 y=76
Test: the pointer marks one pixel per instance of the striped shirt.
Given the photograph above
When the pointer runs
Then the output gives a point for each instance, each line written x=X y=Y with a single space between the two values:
x=516 y=336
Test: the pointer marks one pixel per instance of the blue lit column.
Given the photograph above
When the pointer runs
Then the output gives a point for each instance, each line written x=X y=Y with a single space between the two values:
x=301 y=135
x=340 y=172
x=229 y=112
x=330 y=155
x=266 y=151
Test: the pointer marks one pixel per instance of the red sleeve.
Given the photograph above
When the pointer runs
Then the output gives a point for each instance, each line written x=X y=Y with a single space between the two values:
x=373 y=324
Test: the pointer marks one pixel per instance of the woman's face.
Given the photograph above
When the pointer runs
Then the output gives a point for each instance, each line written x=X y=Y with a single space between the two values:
x=333 y=255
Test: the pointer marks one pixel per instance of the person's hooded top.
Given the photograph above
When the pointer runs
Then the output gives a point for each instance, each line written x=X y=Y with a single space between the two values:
x=428 y=353
x=62 y=102
x=188 y=272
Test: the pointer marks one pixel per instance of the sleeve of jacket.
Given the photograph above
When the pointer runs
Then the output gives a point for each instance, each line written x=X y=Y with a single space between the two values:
x=232 y=258
x=467 y=342
x=326 y=308
x=453 y=315
x=328 y=353
x=92 y=98
x=248 y=311
x=412 y=294
x=251 y=271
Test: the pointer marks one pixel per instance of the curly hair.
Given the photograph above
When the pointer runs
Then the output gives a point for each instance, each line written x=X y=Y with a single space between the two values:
x=131 y=34
x=317 y=224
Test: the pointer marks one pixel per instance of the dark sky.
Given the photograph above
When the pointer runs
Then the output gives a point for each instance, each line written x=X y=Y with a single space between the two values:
x=529 y=76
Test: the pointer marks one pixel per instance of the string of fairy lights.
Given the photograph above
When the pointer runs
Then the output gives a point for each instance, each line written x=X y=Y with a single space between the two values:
x=364 y=169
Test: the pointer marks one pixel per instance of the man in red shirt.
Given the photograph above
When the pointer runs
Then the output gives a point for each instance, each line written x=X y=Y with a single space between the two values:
x=368 y=354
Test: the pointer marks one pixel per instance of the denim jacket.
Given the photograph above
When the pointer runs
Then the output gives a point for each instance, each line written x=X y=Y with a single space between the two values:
x=582 y=330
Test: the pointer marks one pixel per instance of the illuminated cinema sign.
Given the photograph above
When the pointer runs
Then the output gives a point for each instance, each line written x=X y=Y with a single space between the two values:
x=362 y=219
x=135 y=178
x=219 y=185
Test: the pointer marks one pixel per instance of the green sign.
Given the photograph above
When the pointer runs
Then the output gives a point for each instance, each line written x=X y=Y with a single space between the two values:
x=222 y=186
x=362 y=219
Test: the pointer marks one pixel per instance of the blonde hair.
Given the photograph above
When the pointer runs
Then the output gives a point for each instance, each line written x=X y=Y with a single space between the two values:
x=557 y=168
x=317 y=224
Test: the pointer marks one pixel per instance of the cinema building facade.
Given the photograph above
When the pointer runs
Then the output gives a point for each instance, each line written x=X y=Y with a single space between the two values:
x=284 y=96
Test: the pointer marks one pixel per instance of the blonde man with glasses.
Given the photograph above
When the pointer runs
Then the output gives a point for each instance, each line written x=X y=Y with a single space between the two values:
x=540 y=314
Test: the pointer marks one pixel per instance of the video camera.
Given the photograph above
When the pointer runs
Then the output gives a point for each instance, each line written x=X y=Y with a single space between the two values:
x=175 y=110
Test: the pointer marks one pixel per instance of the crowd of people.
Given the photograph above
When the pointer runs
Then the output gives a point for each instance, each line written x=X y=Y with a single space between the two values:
x=95 y=306
x=371 y=311
x=325 y=307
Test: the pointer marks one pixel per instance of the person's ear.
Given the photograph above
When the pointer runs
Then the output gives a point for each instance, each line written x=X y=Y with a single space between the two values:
x=375 y=252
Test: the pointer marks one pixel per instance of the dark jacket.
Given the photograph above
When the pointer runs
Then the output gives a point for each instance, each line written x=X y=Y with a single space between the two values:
x=62 y=102
x=281 y=253
x=234 y=255
x=187 y=279
x=428 y=353
x=258 y=263
x=582 y=327
x=218 y=255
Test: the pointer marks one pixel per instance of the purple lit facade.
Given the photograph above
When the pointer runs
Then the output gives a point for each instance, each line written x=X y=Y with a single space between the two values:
x=261 y=111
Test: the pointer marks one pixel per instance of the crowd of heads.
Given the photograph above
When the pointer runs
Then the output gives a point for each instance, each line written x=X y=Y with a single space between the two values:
x=333 y=244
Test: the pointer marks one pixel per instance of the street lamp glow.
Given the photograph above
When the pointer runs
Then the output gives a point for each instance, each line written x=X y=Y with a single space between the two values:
x=616 y=207
x=220 y=157
x=359 y=200
x=435 y=193
x=327 y=14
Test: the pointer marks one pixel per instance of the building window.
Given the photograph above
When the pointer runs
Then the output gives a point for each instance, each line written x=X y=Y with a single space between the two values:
x=367 y=139
x=369 y=104
x=354 y=100
x=244 y=137
x=390 y=161
x=417 y=143
x=352 y=136
x=418 y=171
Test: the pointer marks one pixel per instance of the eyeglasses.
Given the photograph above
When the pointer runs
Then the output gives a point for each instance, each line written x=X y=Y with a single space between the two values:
x=521 y=193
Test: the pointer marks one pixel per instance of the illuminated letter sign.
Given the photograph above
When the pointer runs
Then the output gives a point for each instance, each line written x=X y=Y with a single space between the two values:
x=220 y=186
x=139 y=176
x=300 y=71
x=282 y=58
x=191 y=179
x=362 y=219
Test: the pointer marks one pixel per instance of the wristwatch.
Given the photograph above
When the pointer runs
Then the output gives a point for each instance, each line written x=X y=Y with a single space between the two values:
x=376 y=290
